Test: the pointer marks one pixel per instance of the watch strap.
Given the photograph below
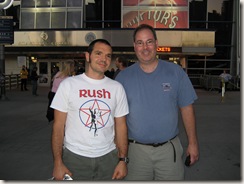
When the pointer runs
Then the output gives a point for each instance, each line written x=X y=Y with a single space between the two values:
x=124 y=159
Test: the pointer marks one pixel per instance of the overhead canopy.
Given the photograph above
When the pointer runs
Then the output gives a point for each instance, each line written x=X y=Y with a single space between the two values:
x=173 y=41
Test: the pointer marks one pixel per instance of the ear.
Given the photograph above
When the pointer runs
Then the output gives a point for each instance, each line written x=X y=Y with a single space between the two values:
x=87 y=57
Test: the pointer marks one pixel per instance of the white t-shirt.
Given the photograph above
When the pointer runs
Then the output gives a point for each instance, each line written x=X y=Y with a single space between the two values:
x=91 y=106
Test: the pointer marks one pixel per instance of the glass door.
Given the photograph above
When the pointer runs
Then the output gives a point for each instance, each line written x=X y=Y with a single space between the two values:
x=43 y=73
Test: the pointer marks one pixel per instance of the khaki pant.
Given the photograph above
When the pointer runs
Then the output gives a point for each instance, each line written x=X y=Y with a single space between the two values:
x=156 y=163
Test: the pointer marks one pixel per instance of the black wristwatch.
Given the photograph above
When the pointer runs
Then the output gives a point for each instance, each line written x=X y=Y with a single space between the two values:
x=125 y=159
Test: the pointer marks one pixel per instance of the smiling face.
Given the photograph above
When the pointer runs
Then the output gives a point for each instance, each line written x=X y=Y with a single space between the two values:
x=99 y=60
x=145 y=46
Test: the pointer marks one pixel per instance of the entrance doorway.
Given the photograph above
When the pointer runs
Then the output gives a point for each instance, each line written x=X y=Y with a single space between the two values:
x=47 y=71
x=43 y=73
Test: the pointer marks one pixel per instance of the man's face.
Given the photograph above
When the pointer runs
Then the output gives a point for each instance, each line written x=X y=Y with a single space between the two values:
x=145 y=46
x=100 y=58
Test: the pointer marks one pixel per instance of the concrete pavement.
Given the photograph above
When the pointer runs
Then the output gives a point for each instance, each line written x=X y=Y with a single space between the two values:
x=25 y=137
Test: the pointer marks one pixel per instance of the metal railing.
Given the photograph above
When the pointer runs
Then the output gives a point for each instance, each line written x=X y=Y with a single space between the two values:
x=195 y=80
x=11 y=81
x=213 y=82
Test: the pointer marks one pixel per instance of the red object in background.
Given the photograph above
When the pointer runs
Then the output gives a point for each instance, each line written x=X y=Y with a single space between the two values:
x=165 y=18
x=152 y=2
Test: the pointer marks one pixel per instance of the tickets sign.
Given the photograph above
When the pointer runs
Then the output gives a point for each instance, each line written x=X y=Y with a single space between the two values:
x=157 y=13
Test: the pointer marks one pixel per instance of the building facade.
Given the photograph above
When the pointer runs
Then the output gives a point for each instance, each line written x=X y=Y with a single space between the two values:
x=203 y=36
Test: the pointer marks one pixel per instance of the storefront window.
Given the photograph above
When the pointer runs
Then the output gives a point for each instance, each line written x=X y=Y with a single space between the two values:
x=102 y=14
x=74 y=3
x=93 y=14
x=43 y=3
x=42 y=20
x=74 y=19
x=58 y=3
x=64 y=14
x=30 y=16
x=56 y=17
x=27 y=3
x=218 y=17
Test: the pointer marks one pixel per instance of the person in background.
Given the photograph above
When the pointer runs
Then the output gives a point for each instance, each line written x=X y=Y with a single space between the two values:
x=121 y=63
x=80 y=70
x=55 y=70
x=24 y=76
x=67 y=70
x=110 y=73
x=34 y=78
x=156 y=90
x=89 y=122
x=224 y=80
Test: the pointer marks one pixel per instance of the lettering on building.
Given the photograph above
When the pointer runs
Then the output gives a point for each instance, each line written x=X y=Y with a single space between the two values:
x=167 y=18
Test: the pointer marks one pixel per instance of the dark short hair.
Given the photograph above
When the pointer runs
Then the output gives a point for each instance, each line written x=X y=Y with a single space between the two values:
x=123 y=60
x=144 y=26
x=91 y=45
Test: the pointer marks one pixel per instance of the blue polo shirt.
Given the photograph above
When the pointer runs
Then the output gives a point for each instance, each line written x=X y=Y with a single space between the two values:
x=154 y=100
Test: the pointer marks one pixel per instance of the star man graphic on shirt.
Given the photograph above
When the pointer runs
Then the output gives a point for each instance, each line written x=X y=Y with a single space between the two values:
x=94 y=114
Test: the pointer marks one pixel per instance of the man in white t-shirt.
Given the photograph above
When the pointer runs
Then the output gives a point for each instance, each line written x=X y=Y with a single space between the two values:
x=89 y=138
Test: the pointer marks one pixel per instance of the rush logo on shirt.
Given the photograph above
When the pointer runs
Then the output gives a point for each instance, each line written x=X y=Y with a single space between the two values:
x=102 y=93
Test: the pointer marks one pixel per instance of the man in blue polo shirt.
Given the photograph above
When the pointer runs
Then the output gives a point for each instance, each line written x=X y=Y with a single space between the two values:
x=156 y=90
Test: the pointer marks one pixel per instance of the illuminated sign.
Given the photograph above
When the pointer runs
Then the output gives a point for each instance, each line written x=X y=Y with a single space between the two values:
x=159 y=14
x=169 y=49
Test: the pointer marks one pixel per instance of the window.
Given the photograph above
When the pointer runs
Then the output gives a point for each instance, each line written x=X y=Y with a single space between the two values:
x=58 y=20
x=218 y=17
x=58 y=3
x=74 y=3
x=43 y=3
x=27 y=3
x=74 y=19
x=42 y=20
x=30 y=16
x=51 y=14
x=102 y=14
